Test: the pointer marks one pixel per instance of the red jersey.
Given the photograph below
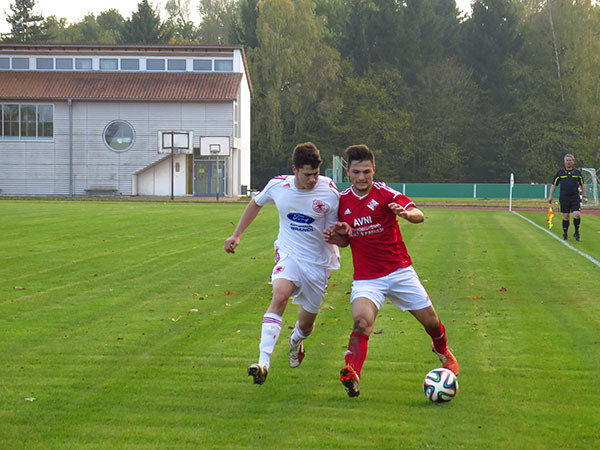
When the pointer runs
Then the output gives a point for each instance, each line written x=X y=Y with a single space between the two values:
x=376 y=242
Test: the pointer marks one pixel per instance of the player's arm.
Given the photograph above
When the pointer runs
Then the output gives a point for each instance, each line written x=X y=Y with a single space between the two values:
x=412 y=213
x=584 y=193
x=338 y=234
x=552 y=189
x=247 y=218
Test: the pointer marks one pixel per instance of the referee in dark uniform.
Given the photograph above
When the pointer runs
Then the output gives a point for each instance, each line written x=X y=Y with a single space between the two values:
x=570 y=181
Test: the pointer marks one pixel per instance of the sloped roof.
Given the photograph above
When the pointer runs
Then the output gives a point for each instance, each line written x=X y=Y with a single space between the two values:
x=36 y=85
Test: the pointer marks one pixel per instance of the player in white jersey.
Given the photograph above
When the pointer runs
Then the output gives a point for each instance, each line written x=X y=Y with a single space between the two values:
x=307 y=204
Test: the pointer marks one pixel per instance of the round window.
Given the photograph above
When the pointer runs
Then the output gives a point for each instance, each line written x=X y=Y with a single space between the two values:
x=119 y=136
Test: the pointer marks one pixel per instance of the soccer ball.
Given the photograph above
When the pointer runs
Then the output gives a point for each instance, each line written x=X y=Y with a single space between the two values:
x=440 y=385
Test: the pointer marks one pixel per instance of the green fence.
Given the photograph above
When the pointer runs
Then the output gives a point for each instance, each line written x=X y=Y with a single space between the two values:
x=465 y=190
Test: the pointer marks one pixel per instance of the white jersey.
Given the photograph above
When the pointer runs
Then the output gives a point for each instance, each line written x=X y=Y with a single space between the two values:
x=303 y=215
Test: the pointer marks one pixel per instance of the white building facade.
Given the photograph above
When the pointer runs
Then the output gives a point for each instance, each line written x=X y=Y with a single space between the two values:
x=97 y=120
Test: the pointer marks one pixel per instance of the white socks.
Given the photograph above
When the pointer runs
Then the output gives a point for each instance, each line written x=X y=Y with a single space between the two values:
x=271 y=328
x=297 y=336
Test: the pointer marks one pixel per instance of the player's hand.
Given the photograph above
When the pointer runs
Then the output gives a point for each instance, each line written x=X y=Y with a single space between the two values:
x=398 y=210
x=231 y=243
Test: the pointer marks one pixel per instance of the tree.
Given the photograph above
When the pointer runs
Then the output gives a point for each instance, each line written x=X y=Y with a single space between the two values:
x=217 y=21
x=26 y=26
x=145 y=26
x=243 y=30
x=293 y=74
x=184 y=30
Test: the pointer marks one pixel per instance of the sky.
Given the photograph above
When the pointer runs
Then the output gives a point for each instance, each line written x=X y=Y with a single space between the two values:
x=75 y=10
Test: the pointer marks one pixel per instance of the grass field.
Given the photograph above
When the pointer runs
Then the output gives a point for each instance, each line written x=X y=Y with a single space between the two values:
x=125 y=325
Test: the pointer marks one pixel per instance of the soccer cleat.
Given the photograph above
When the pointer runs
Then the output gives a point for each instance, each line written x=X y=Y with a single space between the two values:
x=576 y=236
x=350 y=380
x=565 y=236
x=296 y=354
x=447 y=359
x=259 y=373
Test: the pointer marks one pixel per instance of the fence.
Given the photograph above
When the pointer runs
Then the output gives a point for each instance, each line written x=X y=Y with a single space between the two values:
x=468 y=190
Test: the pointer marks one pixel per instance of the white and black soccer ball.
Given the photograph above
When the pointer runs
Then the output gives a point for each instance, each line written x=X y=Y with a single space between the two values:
x=440 y=385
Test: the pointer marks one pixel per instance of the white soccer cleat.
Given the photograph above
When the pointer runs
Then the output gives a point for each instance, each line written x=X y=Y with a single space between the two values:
x=296 y=353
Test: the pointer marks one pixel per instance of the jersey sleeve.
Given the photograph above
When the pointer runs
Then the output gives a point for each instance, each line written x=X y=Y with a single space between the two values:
x=556 y=179
x=392 y=195
x=265 y=196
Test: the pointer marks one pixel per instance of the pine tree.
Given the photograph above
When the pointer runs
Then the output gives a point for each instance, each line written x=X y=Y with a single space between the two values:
x=25 y=25
x=145 y=27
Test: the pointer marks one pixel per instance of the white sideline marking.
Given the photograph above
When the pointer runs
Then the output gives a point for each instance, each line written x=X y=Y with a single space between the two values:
x=585 y=255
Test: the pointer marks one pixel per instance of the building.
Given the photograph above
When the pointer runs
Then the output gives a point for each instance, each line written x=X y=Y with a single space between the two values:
x=90 y=120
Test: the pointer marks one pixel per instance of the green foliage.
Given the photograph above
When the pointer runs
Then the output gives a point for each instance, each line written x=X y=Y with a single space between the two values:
x=126 y=325
x=26 y=26
x=145 y=27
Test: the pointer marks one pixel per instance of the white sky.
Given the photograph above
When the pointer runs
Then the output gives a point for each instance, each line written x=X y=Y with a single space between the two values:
x=75 y=10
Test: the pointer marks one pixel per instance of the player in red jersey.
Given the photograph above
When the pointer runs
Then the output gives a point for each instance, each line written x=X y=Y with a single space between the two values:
x=368 y=221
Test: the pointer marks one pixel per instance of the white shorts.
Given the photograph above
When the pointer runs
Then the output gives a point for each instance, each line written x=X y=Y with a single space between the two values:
x=402 y=287
x=310 y=281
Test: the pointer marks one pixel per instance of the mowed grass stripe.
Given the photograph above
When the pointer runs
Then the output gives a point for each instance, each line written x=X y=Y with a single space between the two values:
x=111 y=369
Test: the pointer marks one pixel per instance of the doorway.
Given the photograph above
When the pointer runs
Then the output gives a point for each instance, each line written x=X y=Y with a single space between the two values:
x=209 y=178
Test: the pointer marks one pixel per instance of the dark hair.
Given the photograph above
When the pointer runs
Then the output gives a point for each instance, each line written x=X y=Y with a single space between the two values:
x=306 y=154
x=359 y=153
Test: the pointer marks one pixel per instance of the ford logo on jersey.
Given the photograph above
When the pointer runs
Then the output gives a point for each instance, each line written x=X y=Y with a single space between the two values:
x=300 y=218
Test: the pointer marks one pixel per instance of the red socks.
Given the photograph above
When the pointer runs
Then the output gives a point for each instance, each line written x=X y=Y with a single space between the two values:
x=357 y=351
x=439 y=338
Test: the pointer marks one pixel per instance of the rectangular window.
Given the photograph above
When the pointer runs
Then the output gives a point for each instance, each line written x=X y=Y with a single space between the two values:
x=236 y=119
x=203 y=65
x=44 y=63
x=11 y=121
x=176 y=64
x=20 y=63
x=223 y=65
x=130 y=64
x=28 y=122
x=155 y=64
x=109 y=64
x=64 y=63
x=45 y=120
x=4 y=63
x=83 y=63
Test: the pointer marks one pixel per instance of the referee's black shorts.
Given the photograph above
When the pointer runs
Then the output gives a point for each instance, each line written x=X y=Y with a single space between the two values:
x=570 y=204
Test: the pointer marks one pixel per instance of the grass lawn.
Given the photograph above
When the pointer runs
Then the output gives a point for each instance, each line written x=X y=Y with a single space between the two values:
x=125 y=325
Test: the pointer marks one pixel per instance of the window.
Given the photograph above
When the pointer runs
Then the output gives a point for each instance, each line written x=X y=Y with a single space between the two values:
x=109 y=64
x=64 y=63
x=45 y=120
x=4 y=63
x=20 y=63
x=236 y=119
x=83 y=63
x=223 y=65
x=176 y=64
x=155 y=64
x=44 y=63
x=11 y=121
x=27 y=122
x=119 y=136
x=203 y=65
x=130 y=64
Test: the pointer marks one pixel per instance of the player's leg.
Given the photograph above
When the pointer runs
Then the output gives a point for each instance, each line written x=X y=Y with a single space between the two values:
x=576 y=218
x=565 y=208
x=271 y=328
x=308 y=297
x=436 y=330
x=364 y=312
x=408 y=294
x=303 y=328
